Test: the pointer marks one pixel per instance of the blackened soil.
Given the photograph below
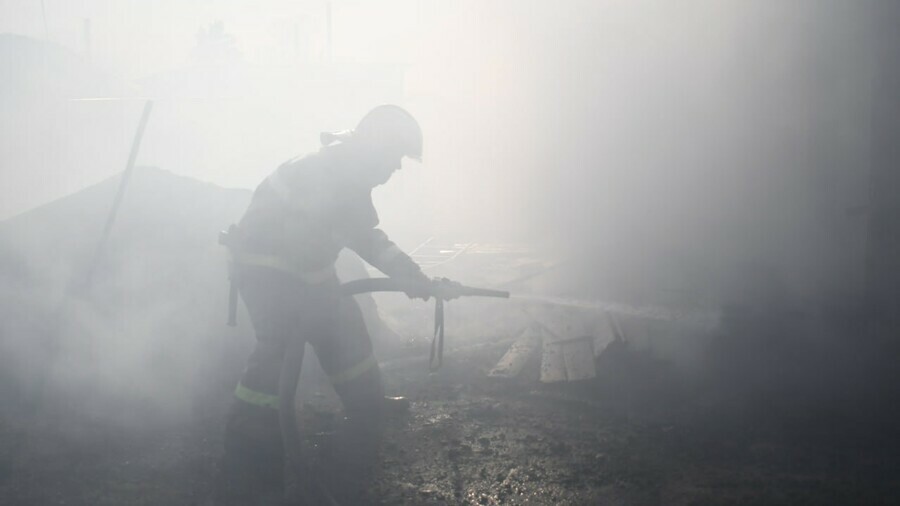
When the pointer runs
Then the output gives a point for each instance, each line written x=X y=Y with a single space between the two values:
x=639 y=438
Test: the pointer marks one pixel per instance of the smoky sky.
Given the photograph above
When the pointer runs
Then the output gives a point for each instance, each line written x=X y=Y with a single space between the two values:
x=701 y=138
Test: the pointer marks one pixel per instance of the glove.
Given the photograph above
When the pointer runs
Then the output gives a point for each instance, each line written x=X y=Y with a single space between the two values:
x=420 y=287
x=446 y=289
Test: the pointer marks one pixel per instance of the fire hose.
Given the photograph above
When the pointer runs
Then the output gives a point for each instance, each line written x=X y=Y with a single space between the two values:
x=442 y=289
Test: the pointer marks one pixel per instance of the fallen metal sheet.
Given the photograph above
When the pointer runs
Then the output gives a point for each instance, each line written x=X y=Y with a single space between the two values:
x=516 y=357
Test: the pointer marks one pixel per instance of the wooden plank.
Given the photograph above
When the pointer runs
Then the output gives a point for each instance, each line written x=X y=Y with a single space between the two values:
x=553 y=364
x=568 y=360
x=578 y=355
x=516 y=357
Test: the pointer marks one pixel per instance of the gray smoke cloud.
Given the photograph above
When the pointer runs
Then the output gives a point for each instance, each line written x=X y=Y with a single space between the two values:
x=705 y=155
x=140 y=340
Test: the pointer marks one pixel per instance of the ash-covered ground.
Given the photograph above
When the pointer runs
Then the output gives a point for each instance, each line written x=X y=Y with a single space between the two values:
x=641 y=438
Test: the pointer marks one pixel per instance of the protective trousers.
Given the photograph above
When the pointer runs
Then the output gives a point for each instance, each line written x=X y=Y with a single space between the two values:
x=284 y=310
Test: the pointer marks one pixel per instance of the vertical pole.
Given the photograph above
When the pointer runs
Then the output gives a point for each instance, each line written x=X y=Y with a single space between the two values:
x=44 y=17
x=126 y=176
x=327 y=32
x=295 y=42
x=79 y=286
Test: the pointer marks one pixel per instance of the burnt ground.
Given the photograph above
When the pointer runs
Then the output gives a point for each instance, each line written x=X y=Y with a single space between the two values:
x=643 y=437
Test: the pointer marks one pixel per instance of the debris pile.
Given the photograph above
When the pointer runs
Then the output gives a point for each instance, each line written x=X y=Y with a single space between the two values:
x=141 y=337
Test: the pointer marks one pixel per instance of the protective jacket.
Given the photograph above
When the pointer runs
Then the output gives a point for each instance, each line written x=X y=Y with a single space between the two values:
x=305 y=212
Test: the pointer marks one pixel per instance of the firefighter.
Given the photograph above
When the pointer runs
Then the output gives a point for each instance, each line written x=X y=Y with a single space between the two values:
x=283 y=253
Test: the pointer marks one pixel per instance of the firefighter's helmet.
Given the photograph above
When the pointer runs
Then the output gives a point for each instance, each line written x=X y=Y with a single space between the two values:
x=391 y=127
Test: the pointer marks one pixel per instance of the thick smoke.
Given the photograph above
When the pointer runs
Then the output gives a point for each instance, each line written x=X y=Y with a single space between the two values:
x=139 y=339
x=717 y=174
